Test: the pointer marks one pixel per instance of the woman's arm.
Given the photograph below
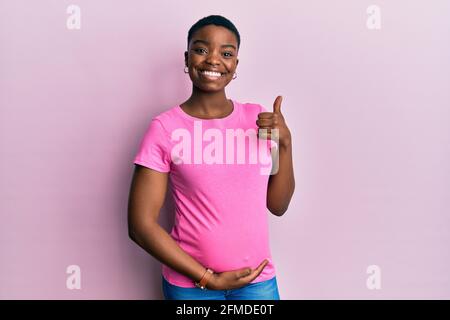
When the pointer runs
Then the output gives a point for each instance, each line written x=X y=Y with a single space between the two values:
x=282 y=184
x=147 y=194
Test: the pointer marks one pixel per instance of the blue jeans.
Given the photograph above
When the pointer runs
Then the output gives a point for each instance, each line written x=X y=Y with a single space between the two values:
x=265 y=290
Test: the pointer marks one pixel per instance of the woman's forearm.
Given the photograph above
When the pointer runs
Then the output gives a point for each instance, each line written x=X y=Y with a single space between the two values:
x=157 y=242
x=282 y=184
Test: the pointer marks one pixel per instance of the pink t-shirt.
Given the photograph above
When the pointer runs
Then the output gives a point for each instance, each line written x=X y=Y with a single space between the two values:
x=221 y=218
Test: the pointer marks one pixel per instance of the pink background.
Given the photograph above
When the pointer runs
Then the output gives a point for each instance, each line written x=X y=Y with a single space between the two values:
x=369 y=111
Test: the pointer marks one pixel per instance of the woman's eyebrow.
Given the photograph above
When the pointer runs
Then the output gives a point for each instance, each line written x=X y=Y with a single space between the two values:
x=206 y=42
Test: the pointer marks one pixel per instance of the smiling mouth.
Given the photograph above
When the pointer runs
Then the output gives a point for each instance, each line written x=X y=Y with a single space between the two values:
x=211 y=75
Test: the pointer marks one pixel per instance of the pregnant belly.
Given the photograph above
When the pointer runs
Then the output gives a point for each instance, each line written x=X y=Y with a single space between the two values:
x=231 y=248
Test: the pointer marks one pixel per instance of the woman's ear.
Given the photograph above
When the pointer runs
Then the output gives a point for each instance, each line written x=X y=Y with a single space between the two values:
x=186 y=58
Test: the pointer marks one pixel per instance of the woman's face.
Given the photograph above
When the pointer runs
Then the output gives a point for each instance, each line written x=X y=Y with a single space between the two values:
x=212 y=48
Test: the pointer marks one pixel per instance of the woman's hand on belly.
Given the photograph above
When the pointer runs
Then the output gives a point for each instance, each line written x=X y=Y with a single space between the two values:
x=228 y=280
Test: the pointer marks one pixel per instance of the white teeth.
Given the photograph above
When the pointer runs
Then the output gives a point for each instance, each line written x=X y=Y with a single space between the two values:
x=211 y=73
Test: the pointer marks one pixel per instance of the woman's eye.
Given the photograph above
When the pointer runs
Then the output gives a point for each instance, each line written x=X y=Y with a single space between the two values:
x=197 y=50
x=200 y=50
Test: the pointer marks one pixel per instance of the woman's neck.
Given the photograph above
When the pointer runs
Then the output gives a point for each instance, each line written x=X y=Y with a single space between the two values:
x=208 y=105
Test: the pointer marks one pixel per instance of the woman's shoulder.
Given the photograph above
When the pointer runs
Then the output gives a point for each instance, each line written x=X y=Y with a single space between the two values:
x=252 y=107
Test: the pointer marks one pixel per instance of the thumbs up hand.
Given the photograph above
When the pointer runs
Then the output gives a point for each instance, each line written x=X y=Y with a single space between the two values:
x=274 y=120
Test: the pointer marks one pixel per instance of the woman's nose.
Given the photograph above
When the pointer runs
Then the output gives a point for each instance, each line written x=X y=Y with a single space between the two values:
x=212 y=58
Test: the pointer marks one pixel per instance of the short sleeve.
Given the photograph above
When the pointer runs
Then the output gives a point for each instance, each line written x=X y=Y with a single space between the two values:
x=153 y=150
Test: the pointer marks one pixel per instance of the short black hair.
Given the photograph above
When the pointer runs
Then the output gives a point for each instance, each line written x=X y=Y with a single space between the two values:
x=217 y=20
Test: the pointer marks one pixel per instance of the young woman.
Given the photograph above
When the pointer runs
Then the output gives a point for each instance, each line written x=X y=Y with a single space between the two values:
x=219 y=245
